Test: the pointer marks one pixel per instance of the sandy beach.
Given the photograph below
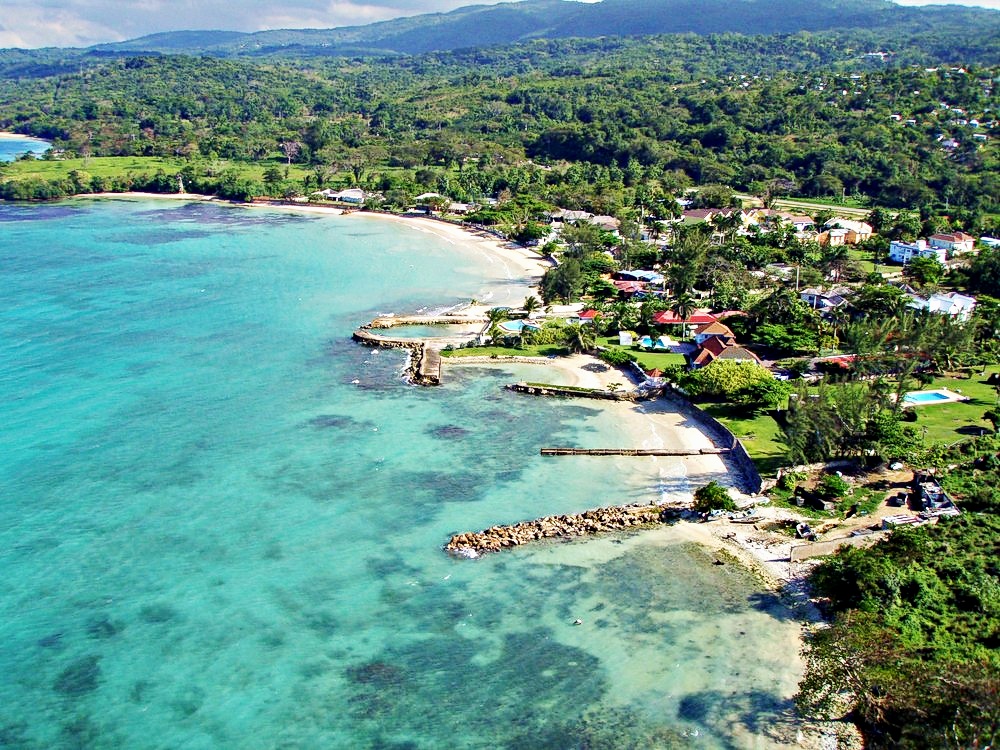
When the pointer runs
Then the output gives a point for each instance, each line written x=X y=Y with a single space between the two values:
x=522 y=267
x=17 y=136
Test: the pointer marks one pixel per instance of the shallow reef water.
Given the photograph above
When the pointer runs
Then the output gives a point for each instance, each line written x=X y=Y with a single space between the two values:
x=212 y=537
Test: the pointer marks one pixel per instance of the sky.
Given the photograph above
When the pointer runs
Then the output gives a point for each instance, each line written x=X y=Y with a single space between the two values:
x=80 y=23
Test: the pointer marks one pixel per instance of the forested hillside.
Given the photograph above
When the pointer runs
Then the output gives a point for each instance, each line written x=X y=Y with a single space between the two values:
x=800 y=115
x=510 y=23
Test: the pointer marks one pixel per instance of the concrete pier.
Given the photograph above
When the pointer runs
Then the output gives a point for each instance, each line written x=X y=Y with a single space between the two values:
x=632 y=451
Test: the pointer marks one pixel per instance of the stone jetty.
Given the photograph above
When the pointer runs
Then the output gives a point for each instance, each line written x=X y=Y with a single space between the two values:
x=391 y=321
x=425 y=363
x=424 y=367
x=588 y=523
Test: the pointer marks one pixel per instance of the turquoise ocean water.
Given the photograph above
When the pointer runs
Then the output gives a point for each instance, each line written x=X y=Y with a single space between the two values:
x=211 y=537
x=11 y=148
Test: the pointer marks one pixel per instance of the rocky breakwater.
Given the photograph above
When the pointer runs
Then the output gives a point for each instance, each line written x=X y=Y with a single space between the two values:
x=588 y=523
x=424 y=367
x=450 y=319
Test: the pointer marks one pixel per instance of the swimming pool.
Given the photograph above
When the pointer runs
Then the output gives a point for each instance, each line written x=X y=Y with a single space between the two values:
x=925 y=397
x=517 y=326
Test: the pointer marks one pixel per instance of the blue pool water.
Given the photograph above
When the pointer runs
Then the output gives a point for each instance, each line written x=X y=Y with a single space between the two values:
x=222 y=520
x=516 y=326
x=924 y=397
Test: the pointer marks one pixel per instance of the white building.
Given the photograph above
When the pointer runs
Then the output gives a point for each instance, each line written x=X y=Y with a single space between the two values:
x=904 y=252
x=957 y=242
x=957 y=305
x=351 y=195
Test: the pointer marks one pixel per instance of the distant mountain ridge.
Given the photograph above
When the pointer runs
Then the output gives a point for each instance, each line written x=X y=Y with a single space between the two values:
x=507 y=23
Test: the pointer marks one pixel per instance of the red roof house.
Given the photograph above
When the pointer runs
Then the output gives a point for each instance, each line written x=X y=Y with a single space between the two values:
x=669 y=317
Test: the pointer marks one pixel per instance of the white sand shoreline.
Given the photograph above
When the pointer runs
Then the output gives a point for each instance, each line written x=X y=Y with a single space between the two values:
x=522 y=267
x=7 y=136
x=651 y=424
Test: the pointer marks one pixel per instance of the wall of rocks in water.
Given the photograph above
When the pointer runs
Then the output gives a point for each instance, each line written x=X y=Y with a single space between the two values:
x=588 y=523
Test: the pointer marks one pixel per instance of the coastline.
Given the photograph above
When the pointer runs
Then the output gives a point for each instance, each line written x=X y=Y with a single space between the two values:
x=522 y=268
x=8 y=136
x=650 y=425
x=647 y=426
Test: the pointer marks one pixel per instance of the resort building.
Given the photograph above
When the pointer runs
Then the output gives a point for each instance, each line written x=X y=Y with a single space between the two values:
x=957 y=305
x=717 y=347
x=354 y=196
x=957 y=242
x=669 y=318
x=904 y=252
x=714 y=330
x=855 y=231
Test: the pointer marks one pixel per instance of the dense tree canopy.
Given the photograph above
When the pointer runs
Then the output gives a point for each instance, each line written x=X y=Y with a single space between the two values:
x=613 y=121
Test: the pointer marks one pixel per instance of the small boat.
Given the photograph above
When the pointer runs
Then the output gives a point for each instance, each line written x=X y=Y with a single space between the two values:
x=746 y=519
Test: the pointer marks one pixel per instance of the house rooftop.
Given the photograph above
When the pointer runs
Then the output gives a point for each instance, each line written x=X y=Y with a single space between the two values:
x=740 y=353
x=669 y=317
x=715 y=328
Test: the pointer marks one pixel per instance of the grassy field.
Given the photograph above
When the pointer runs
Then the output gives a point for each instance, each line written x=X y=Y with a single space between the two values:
x=646 y=360
x=119 y=166
x=760 y=434
x=864 y=260
x=815 y=205
x=949 y=423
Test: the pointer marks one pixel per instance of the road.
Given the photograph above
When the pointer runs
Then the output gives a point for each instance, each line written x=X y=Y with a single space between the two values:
x=807 y=206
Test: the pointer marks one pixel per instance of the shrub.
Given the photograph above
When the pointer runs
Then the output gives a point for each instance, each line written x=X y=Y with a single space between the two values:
x=832 y=487
x=789 y=480
x=713 y=496
x=617 y=357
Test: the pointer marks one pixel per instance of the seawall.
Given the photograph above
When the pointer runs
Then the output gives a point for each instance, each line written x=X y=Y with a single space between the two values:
x=737 y=456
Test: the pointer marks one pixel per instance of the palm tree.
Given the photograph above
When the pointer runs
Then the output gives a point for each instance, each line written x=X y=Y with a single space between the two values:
x=531 y=304
x=580 y=338
x=683 y=305
x=497 y=315
x=496 y=335
x=622 y=315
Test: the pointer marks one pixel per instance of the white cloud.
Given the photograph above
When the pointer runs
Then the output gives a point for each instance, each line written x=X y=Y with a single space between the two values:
x=37 y=23
x=24 y=25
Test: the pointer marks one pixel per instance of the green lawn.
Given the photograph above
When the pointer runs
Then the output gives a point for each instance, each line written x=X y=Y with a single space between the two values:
x=808 y=206
x=864 y=260
x=646 y=360
x=949 y=423
x=115 y=166
x=541 y=350
x=760 y=434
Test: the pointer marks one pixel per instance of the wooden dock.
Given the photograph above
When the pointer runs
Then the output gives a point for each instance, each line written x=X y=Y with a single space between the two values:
x=633 y=451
